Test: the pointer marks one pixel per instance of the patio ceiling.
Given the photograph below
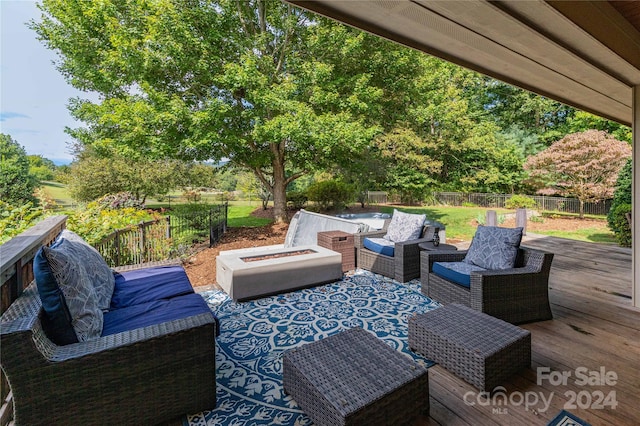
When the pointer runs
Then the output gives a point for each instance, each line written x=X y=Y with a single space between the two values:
x=582 y=53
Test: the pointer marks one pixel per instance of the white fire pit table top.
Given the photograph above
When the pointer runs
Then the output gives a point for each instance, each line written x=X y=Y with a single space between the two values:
x=254 y=273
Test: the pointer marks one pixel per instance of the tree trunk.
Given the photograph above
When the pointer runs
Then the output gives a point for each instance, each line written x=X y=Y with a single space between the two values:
x=279 y=184
x=581 y=215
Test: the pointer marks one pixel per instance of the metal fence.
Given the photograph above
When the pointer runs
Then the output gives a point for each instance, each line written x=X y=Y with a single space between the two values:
x=544 y=203
x=160 y=239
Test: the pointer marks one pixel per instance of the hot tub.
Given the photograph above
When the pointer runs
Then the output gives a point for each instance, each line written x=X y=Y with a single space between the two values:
x=375 y=220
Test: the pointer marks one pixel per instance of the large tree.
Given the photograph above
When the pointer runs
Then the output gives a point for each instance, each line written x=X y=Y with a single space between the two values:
x=583 y=165
x=259 y=82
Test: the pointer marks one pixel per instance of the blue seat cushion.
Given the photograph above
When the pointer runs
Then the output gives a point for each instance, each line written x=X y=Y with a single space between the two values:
x=152 y=313
x=149 y=284
x=379 y=245
x=457 y=272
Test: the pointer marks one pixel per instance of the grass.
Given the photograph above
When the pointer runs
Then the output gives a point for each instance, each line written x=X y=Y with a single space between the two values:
x=240 y=215
x=60 y=193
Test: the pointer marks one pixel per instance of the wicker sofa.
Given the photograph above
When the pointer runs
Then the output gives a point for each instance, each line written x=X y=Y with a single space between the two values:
x=143 y=375
x=516 y=295
x=403 y=266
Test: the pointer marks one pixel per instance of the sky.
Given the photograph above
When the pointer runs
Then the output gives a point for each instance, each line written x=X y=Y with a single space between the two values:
x=33 y=93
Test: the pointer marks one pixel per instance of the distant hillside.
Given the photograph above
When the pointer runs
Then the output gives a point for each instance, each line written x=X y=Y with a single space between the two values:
x=61 y=161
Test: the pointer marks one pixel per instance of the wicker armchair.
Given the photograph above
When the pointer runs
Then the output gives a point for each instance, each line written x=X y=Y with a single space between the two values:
x=142 y=376
x=405 y=263
x=516 y=295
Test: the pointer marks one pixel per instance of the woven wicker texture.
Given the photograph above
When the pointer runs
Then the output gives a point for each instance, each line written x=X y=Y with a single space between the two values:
x=342 y=242
x=353 y=378
x=405 y=263
x=516 y=295
x=483 y=350
x=142 y=376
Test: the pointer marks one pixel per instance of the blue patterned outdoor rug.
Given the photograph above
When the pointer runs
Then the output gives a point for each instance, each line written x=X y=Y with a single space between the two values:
x=565 y=418
x=254 y=334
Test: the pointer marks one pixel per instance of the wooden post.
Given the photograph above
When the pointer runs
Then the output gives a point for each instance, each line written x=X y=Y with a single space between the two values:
x=491 y=218
x=521 y=220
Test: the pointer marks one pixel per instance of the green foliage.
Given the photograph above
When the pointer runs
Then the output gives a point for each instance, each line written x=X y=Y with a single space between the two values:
x=618 y=223
x=622 y=204
x=297 y=200
x=96 y=221
x=16 y=219
x=408 y=170
x=120 y=200
x=330 y=194
x=469 y=204
x=93 y=176
x=277 y=90
x=520 y=202
x=16 y=183
x=41 y=168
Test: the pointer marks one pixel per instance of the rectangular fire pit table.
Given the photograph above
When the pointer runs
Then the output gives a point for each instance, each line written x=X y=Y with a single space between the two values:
x=254 y=273
x=354 y=378
x=483 y=350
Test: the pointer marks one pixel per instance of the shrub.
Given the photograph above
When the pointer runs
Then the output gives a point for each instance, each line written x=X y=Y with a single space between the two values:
x=297 y=199
x=469 y=204
x=120 y=200
x=618 y=222
x=520 y=202
x=330 y=193
x=17 y=219
x=621 y=199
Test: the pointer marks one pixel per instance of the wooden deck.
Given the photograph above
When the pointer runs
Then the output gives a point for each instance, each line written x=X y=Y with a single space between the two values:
x=594 y=328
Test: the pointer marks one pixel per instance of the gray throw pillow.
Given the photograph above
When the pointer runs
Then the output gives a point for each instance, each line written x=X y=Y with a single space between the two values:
x=494 y=247
x=78 y=292
x=405 y=226
x=99 y=273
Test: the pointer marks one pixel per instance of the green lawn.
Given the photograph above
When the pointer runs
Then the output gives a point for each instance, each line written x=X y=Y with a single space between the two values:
x=60 y=193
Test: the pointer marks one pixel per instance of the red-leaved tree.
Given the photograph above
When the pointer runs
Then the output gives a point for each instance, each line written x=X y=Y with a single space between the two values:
x=583 y=165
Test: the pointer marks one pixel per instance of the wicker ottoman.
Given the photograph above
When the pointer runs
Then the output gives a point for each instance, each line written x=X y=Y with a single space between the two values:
x=483 y=350
x=354 y=378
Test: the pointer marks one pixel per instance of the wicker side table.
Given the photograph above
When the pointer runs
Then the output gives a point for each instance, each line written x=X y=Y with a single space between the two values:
x=342 y=242
x=354 y=378
x=483 y=350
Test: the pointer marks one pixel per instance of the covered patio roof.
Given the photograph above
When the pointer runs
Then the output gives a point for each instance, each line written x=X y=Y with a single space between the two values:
x=583 y=53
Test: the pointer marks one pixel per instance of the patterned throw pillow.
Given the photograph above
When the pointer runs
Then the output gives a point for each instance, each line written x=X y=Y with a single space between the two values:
x=99 y=273
x=404 y=226
x=494 y=247
x=66 y=278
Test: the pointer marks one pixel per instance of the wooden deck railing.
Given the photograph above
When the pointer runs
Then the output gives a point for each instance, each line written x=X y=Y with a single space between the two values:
x=16 y=272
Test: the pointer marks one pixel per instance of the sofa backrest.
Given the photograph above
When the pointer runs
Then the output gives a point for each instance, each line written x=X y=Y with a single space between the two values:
x=305 y=225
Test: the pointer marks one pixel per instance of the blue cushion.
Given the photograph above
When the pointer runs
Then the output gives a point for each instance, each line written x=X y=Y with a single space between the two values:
x=494 y=247
x=149 y=284
x=155 y=312
x=67 y=294
x=57 y=318
x=100 y=275
x=457 y=272
x=379 y=245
